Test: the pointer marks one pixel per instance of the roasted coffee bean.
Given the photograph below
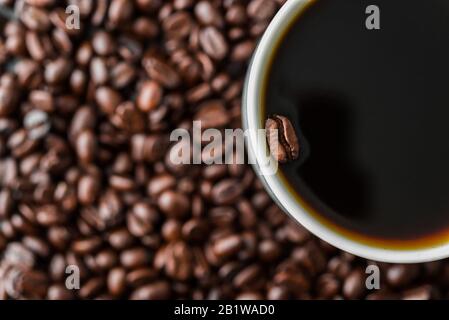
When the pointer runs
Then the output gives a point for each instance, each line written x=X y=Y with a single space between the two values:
x=59 y=292
x=120 y=11
x=294 y=280
x=236 y=14
x=106 y=259
x=57 y=71
x=122 y=75
x=37 y=124
x=103 y=43
x=141 y=277
x=226 y=192
x=116 y=281
x=160 y=71
x=269 y=250
x=178 y=25
x=227 y=246
x=424 y=292
x=278 y=293
x=120 y=239
x=141 y=220
x=88 y=189
x=159 y=290
x=25 y=284
x=212 y=114
x=178 y=261
x=36 y=245
x=149 y=96
x=133 y=258
x=261 y=9
x=213 y=43
x=401 y=275
x=86 y=146
x=328 y=286
x=107 y=99
x=247 y=276
x=250 y=295
x=18 y=255
x=8 y=100
x=282 y=139
x=173 y=204
x=310 y=258
x=207 y=14
x=242 y=51
x=99 y=71
x=128 y=118
x=35 y=18
x=91 y=288
x=148 y=148
x=160 y=183
x=354 y=285
x=86 y=246
x=171 y=230
x=42 y=100
x=28 y=73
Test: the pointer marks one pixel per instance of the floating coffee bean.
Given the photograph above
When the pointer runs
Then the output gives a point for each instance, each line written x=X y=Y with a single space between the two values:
x=282 y=139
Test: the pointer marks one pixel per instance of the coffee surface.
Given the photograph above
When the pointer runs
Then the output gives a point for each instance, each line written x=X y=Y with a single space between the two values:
x=371 y=108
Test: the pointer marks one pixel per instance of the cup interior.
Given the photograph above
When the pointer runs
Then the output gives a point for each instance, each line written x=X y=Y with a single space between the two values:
x=253 y=120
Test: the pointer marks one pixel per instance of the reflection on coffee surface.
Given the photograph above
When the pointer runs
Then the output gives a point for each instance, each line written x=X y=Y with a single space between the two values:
x=372 y=110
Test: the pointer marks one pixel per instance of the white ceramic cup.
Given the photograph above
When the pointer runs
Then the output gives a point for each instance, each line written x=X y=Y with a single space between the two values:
x=253 y=120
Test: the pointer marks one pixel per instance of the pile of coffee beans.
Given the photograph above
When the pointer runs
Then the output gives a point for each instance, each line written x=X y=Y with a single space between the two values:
x=86 y=182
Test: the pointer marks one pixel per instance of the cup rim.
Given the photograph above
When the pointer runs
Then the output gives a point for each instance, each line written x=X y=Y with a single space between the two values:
x=251 y=118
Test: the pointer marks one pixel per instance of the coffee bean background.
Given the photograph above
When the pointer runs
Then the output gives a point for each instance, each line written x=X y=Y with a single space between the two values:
x=85 y=176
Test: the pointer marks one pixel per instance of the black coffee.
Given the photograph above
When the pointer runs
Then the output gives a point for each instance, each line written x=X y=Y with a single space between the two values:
x=372 y=111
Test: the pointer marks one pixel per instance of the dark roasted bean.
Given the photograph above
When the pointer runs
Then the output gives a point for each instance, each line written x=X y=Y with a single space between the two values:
x=133 y=258
x=116 y=281
x=107 y=99
x=155 y=291
x=122 y=75
x=178 y=25
x=226 y=192
x=149 y=96
x=227 y=246
x=35 y=18
x=247 y=276
x=213 y=43
x=91 y=288
x=103 y=43
x=212 y=114
x=354 y=285
x=57 y=71
x=261 y=9
x=278 y=293
x=120 y=11
x=86 y=146
x=424 y=292
x=282 y=139
x=328 y=286
x=173 y=204
x=161 y=72
x=207 y=13
x=401 y=275
x=269 y=250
